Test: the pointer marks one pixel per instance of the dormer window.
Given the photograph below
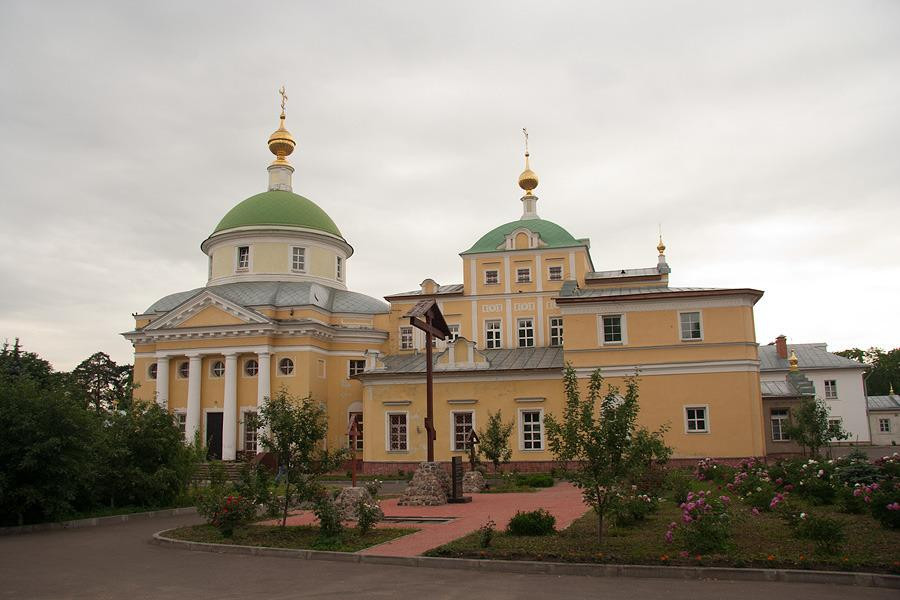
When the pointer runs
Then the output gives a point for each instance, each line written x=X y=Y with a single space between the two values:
x=523 y=275
x=243 y=258
x=339 y=268
x=298 y=260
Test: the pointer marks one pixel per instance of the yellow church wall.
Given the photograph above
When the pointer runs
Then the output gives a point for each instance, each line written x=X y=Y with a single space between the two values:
x=144 y=387
x=223 y=261
x=269 y=258
x=321 y=262
x=210 y=316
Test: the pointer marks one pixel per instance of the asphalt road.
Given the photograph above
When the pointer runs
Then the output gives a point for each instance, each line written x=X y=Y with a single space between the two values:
x=117 y=561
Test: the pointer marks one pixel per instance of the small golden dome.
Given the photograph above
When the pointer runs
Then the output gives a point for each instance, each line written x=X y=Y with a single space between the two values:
x=793 y=360
x=528 y=180
x=281 y=142
x=661 y=247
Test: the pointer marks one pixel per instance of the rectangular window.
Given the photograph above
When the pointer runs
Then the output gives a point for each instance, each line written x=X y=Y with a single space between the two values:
x=298 y=260
x=532 y=430
x=690 y=326
x=249 y=432
x=339 y=268
x=454 y=332
x=355 y=367
x=406 y=338
x=462 y=429
x=243 y=258
x=556 y=331
x=359 y=430
x=526 y=333
x=492 y=334
x=321 y=368
x=181 y=419
x=612 y=329
x=523 y=275
x=555 y=273
x=397 y=433
x=884 y=425
x=834 y=423
x=491 y=277
x=831 y=389
x=779 y=417
x=696 y=420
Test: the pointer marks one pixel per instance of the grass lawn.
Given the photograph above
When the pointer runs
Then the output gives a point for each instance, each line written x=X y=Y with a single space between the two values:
x=304 y=537
x=757 y=541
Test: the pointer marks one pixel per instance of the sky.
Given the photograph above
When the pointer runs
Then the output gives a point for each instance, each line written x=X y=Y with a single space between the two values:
x=762 y=137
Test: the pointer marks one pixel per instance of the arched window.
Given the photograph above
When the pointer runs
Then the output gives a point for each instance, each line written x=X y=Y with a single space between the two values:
x=184 y=369
x=152 y=370
x=218 y=369
x=286 y=366
x=251 y=367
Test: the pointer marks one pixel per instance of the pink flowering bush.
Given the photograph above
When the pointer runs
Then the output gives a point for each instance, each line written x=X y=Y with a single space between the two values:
x=226 y=511
x=631 y=508
x=856 y=499
x=705 y=525
x=885 y=504
x=709 y=470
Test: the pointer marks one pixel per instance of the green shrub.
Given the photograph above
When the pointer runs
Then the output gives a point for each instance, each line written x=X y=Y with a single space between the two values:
x=849 y=503
x=632 y=509
x=885 y=505
x=710 y=470
x=705 y=524
x=535 y=522
x=486 y=533
x=538 y=480
x=851 y=472
x=255 y=483
x=826 y=532
x=330 y=518
x=224 y=510
x=679 y=483
x=368 y=514
x=759 y=494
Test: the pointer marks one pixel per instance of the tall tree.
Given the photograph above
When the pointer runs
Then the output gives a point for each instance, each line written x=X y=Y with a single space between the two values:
x=883 y=368
x=494 y=441
x=16 y=363
x=105 y=385
x=810 y=428
x=602 y=447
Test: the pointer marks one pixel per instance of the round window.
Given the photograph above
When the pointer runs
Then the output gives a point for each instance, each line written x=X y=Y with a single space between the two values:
x=184 y=370
x=218 y=368
x=251 y=367
x=152 y=370
x=286 y=366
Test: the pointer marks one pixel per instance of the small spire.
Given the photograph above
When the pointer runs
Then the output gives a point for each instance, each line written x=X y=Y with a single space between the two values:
x=661 y=265
x=793 y=361
x=281 y=144
x=528 y=180
x=661 y=247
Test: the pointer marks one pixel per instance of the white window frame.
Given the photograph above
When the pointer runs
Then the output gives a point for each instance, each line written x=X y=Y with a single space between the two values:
x=499 y=334
x=152 y=371
x=782 y=436
x=562 y=273
x=521 y=413
x=453 y=414
x=212 y=369
x=339 y=268
x=496 y=272
x=519 y=332
x=705 y=408
x=527 y=273
x=237 y=259
x=387 y=431
x=244 y=367
x=831 y=391
x=551 y=327
x=412 y=342
x=294 y=268
x=884 y=425
x=351 y=371
x=454 y=331
x=280 y=373
x=244 y=431
x=699 y=314
x=601 y=329
x=181 y=421
x=178 y=374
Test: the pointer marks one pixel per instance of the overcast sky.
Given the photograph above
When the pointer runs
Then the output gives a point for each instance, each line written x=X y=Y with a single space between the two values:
x=763 y=136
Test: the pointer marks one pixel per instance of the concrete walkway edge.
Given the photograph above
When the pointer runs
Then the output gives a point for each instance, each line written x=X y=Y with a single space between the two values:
x=552 y=568
x=98 y=521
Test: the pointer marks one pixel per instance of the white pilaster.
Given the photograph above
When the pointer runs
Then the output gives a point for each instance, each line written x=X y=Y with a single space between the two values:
x=192 y=417
x=229 y=409
x=162 y=382
x=263 y=385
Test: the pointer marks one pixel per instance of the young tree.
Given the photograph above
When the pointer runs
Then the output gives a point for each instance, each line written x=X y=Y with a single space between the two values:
x=106 y=385
x=810 y=428
x=494 y=441
x=294 y=430
x=605 y=450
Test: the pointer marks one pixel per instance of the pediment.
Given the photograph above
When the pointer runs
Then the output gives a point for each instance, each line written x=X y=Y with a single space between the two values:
x=522 y=238
x=207 y=309
x=461 y=354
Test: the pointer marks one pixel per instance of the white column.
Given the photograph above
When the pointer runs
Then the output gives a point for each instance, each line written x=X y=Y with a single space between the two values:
x=229 y=409
x=263 y=386
x=192 y=418
x=162 y=381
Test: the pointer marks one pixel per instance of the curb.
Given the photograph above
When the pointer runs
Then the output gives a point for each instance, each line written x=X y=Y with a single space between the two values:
x=551 y=568
x=98 y=521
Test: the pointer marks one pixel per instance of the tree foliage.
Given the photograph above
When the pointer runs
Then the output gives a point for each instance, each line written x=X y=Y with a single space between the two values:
x=809 y=426
x=494 y=441
x=883 y=368
x=602 y=446
x=294 y=430
x=105 y=385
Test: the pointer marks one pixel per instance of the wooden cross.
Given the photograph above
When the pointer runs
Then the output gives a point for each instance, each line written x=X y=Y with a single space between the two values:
x=354 y=434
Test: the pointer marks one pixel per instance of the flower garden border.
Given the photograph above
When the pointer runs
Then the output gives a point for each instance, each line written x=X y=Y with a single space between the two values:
x=552 y=568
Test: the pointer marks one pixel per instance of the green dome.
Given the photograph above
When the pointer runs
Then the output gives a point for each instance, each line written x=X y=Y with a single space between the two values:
x=278 y=208
x=551 y=234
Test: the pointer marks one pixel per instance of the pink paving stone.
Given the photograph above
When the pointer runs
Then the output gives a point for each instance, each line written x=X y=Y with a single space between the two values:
x=562 y=500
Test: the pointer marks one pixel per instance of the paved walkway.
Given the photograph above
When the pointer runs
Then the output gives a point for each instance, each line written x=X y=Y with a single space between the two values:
x=563 y=500
x=119 y=562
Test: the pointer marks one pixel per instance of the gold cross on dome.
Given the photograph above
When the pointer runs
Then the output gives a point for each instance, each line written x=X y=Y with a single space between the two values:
x=525 y=131
x=283 y=99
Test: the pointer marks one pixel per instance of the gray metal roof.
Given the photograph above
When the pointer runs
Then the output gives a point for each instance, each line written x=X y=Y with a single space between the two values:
x=280 y=294
x=622 y=273
x=601 y=293
x=453 y=288
x=500 y=360
x=810 y=356
x=884 y=402
x=776 y=389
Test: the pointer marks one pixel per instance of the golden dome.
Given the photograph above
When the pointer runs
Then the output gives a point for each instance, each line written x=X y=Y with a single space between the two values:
x=528 y=180
x=281 y=142
x=661 y=247
x=793 y=361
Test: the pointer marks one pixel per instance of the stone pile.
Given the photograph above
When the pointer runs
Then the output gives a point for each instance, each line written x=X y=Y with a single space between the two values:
x=473 y=482
x=430 y=486
x=348 y=501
